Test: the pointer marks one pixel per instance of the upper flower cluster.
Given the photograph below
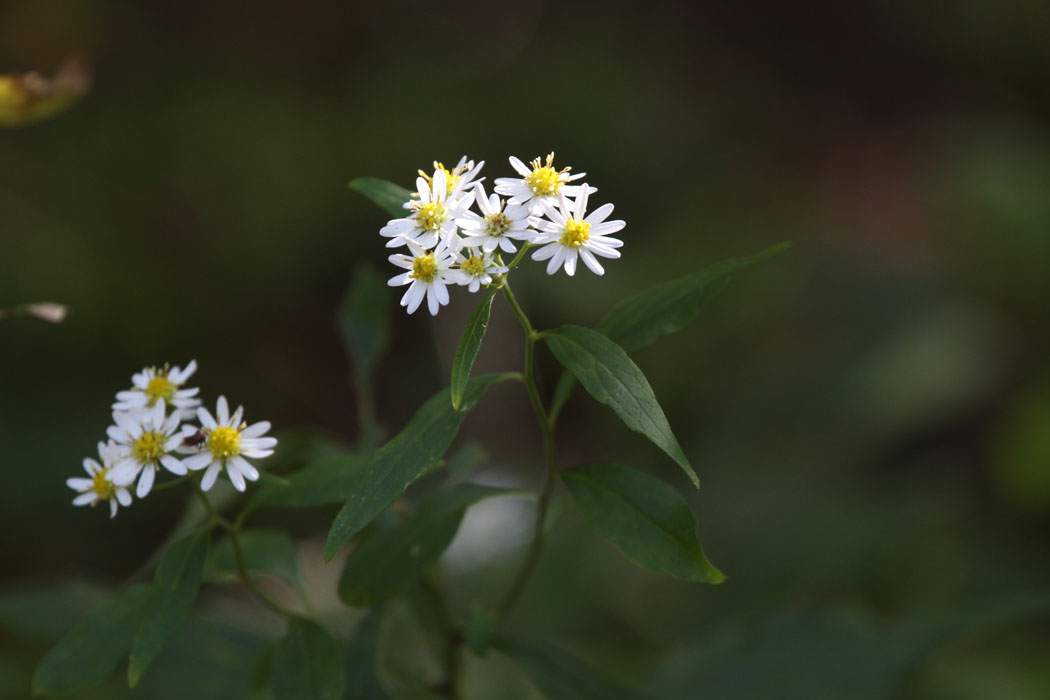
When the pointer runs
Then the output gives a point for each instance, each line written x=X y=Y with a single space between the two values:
x=451 y=244
x=148 y=434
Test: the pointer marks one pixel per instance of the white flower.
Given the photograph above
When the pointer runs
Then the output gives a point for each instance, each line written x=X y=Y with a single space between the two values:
x=100 y=486
x=478 y=269
x=227 y=442
x=433 y=218
x=538 y=184
x=146 y=440
x=152 y=384
x=458 y=181
x=429 y=274
x=569 y=234
x=497 y=226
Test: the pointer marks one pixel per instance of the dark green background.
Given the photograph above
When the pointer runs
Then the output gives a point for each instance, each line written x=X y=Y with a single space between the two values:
x=869 y=413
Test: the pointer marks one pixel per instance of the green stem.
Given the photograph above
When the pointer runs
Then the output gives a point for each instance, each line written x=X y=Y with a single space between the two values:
x=238 y=553
x=550 y=458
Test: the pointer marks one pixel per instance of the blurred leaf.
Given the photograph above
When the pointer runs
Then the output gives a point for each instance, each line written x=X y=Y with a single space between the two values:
x=646 y=518
x=466 y=459
x=172 y=595
x=560 y=675
x=394 y=466
x=469 y=344
x=386 y=194
x=328 y=480
x=29 y=98
x=92 y=650
x=359 y=659
x=307 y=664
x=1022 y=451
x=663 y=309
x=363 y=318
x=612 y=378
x=387 y=563
x=271 y=552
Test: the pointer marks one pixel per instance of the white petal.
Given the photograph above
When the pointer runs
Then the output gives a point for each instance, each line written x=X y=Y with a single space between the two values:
x=124 y=496
x=206 y=419
x=197 y=461
x=79 y=484
x=173 y=465
x=210 y=476
x=222 y=412
x=85 y=498
x=236 y=478
x=146 y=481
x=256 y=429
x=250 y=473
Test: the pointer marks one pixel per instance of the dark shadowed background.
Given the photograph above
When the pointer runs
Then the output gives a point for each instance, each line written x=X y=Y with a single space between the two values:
x=869 y=412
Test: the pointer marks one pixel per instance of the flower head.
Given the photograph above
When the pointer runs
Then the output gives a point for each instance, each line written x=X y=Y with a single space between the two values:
x=569 y=235
x=429 y=274
x=477 y=269
x=497 y=225
x=154 y=384
x=433 y=216
x=458 y=181
x=228 y=441
x=539 y=183
x=100 y=485
x=146 y=439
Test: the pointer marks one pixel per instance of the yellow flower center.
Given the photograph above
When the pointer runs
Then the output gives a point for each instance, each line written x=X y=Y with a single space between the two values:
x=149 y=447
x=424 y=268
x=544 y=180
x=225 y=442
x=102 y=486
x=497 y=224
x=160 y=387
x=452 y=177
x=430 y=216
x=473 y=266
x=576 y=233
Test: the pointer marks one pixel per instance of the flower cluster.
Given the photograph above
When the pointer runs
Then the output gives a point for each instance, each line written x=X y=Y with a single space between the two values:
x=148 y=434
x=450 y=244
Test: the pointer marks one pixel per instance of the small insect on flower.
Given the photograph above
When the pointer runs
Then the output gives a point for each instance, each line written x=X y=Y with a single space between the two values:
x=570 y=235
x=227 y=441
x=433 y=215
x=538 y=184
x=100 y=485
x=153 y=384
x=146 y=439
x=478 y=269
x=498 y=224
x=429 y=273
x=458 y=181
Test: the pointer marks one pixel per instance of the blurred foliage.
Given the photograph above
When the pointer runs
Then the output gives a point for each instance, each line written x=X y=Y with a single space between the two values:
x=867 y=413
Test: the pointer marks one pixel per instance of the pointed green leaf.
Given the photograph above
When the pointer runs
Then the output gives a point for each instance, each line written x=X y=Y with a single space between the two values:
x=327 y=480
x=387 y=195
x=172 y=595
x=469 y=344
x=646 y=518
x=307 y=664
x=666 y=308
x=387 y=563
x=562 y=676
x=364 y=318
x=270 y=552
x=90 y=652
x=612 y=378
x=390 y=469
x=359 y=659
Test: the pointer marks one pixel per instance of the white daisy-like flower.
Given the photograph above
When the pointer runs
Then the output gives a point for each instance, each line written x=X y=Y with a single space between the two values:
x=153 y=384
x=100 y=486
x=433 y=215
x=498 y=224
x=538 y=184
x=478 y=269
x=146 y=439
x=429 y=273
x=569 y=234
x=227 y=442
x=458 y=181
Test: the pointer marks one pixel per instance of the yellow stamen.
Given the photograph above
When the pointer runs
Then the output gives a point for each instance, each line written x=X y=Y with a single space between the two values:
x=424 y=268
x=497 y=224
x=452 y=177
x=430 y=216
x=160 y=387
x=544 y=180
x=149 y=447
x=473 y=266
x=576 y=233
x=102 y=486
x=224 y=442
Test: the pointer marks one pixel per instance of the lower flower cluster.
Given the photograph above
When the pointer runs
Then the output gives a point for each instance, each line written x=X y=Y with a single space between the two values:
x=149 y=435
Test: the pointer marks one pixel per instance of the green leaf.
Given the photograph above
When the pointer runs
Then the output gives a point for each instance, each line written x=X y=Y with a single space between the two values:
x=469 y=344
x=324 y=481
x=307 y=664
x=364 y=320
x=666 y=308
x=172 y=595
x=560 y=675
x=386 y=194
x=391 y=468
x=359 y=659
x=270 y=552
x=387 y=563
x=646 y=518
x=612 y=378
x=90 y=652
